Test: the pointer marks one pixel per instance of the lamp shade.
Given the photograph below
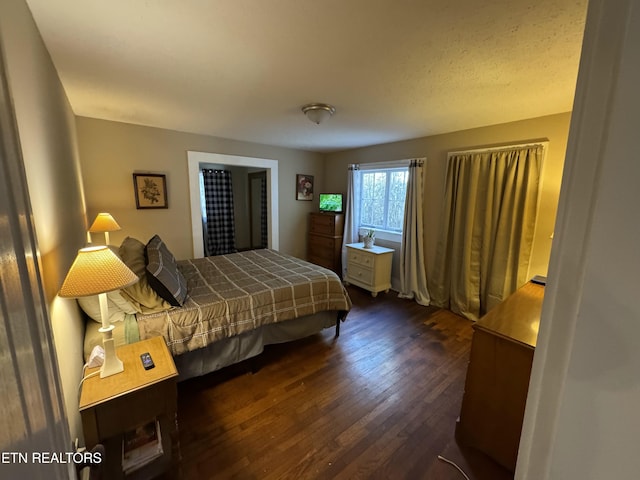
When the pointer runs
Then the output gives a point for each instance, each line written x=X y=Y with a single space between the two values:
x=104 y=222
x=96 y=270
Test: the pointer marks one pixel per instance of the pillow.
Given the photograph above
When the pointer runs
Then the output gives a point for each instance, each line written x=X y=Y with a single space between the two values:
x=140 y=294
x=163 y=273
x=118 y=306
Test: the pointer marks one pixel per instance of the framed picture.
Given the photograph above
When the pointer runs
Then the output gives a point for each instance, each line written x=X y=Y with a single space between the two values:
x=304 y=187
x=150 y=190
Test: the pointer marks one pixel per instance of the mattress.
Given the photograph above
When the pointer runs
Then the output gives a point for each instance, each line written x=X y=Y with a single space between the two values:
x=229 y=295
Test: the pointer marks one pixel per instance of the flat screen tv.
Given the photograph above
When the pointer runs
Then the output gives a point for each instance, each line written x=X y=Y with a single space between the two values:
x=331 y=202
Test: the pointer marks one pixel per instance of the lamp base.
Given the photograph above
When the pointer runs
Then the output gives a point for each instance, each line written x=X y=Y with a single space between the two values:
x=112 y=364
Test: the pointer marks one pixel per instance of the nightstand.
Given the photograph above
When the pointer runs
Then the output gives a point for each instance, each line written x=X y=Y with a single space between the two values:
x=369 y=268
x=113 y=405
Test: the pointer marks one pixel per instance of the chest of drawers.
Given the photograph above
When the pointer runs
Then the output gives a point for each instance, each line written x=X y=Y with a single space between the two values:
x=325 y=240
x=369 y=268
x=497 y=382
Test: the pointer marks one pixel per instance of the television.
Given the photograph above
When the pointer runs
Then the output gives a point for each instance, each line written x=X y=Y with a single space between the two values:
x=330 y=202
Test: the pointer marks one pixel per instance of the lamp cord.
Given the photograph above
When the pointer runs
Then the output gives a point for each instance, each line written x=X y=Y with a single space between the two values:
x=84 y=368
x=454 y=464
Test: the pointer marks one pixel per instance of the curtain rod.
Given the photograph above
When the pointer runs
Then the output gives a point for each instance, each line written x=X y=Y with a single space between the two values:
x=387 y=164
x=544 y=144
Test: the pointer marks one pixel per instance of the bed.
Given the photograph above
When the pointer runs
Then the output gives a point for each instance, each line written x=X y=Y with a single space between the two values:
x=217 y=311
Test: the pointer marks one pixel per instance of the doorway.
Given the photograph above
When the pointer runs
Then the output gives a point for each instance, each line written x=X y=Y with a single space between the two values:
x=258 y=221
x=270 y=168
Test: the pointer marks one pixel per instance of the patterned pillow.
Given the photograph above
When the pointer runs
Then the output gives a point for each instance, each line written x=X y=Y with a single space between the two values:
x=141 y=295
x=163 y=273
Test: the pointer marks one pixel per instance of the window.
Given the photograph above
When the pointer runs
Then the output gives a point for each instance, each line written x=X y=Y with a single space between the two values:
x=382 y=194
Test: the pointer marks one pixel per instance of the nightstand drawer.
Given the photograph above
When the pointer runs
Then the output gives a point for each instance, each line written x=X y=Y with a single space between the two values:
x=361 y=274
x=360 y=258
x=135 y=408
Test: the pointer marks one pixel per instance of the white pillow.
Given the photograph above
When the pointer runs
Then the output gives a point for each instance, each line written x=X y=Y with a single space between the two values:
x=117 y=304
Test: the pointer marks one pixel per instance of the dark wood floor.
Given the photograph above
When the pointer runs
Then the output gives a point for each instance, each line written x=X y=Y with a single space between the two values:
x=381 y=401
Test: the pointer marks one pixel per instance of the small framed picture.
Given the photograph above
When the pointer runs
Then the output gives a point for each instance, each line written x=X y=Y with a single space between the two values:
x=150 y=190
x=304 y=187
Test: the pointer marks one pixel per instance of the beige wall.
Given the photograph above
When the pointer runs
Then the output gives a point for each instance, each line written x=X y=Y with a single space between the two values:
x=110 y=152
x=47 y=138
x=554 y=128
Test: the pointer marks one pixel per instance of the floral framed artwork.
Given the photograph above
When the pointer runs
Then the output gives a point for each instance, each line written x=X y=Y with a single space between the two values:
x=304 y=187
x=150 y=190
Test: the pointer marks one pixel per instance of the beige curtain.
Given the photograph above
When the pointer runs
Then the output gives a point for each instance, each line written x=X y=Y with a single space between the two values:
x=413 y=277
x=489 y=216
x=352 y=213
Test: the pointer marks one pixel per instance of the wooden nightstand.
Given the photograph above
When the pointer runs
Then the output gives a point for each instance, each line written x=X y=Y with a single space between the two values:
x=111 y=406
x=369 y=268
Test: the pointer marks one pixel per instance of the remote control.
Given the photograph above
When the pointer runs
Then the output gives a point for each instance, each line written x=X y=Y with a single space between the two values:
x=147 y=362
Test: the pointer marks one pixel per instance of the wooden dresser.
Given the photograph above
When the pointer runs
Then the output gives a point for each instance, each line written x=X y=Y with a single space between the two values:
x=497 y=380
x=325 y=240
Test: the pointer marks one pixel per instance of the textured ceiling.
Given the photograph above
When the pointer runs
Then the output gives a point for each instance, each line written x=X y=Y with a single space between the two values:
x=241 y=69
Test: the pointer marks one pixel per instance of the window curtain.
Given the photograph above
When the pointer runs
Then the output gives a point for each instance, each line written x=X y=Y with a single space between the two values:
x=218 y=215
x=413 y=276
x=351 y=213
x=489 y=216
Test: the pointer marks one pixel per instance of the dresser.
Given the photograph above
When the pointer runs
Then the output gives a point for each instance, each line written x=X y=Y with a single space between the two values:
x=369 y=268
x=325 y=240
x=497 y=382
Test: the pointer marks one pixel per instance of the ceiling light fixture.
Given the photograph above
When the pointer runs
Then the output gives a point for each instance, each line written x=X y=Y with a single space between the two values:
x=318 y=112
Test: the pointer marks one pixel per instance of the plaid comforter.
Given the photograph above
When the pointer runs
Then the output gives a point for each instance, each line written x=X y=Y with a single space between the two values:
x=232 y=294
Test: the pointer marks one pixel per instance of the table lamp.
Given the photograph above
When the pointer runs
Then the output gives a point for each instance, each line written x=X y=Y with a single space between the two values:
x=104 y=223
x=96 y=271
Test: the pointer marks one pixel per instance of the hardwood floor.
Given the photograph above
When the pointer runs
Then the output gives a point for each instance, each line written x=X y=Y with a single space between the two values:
x=381 y=401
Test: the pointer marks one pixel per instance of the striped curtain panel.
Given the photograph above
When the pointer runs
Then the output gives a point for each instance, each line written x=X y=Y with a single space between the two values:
x=218 y=218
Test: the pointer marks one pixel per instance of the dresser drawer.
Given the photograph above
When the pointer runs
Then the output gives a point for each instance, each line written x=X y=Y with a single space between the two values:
x=331 y=224
x=360 y=258
x=318 y=241
x=323 y=261
x=325 y=247
x=360 y=274
x=323 y=224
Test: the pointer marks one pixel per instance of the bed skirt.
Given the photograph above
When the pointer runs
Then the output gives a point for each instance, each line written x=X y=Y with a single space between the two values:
x=225 y=352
